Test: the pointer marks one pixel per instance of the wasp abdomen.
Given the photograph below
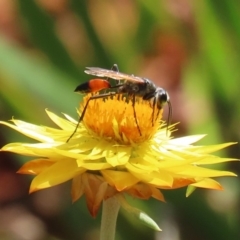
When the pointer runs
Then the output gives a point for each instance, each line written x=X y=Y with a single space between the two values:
x=93 y=85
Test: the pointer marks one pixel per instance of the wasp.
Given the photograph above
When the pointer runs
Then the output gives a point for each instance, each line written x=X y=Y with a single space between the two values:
x=130 y=85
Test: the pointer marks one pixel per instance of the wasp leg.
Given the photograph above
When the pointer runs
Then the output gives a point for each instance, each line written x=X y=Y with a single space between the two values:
x=157 y=114
x=134 y=113
x=85 y=108
x=153 y=112
x=116 y=69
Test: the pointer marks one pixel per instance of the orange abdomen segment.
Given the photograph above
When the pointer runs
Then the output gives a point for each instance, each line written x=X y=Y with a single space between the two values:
x=96 y=85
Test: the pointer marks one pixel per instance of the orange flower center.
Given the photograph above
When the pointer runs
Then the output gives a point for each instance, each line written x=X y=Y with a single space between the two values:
x=116 y=118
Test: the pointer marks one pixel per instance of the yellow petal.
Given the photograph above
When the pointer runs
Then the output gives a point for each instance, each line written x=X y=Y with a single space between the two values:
x=213 y=160
x=173 y=165
x=82 y=145
x=164 y=153
x=72 y=120
x=140 y=190
x=179 y=183
x=96 y=189
x=69 y=153
x=193 y=171
x=160 y=178
x=98 y=148
x=58 y=173
x=184 y=141
x=77 y=188
x=147 y=166
x=211 y=148
x=157 y=194
x=30 y=130
x=45 y=149
x=208 y=183
x=35 y=166
x=121 y=180
x=61 y=122
x=93 y=165
x=117 y=155
x=101 y=191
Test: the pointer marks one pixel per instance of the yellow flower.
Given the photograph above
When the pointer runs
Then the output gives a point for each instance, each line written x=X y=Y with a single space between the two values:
x=108 y=156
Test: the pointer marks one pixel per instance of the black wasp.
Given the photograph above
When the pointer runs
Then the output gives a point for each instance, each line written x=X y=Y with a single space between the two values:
x=131 y=85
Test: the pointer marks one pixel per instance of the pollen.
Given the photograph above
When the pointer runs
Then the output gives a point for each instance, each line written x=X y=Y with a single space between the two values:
x=113 y=118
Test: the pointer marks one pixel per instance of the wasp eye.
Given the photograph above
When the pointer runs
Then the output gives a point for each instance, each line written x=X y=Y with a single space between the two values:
x=163 y=97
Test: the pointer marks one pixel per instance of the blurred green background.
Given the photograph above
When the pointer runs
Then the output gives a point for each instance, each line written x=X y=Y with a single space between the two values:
x=190 y=48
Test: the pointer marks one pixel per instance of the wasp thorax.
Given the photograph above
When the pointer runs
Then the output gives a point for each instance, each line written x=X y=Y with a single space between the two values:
x=129 y=88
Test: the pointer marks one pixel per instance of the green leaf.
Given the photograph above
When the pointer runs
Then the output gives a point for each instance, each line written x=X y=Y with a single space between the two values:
x=190 y=190
x=139 y=214
x=146 y=220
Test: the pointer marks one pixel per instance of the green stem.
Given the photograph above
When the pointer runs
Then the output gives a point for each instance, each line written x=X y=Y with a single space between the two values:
x=109 y=218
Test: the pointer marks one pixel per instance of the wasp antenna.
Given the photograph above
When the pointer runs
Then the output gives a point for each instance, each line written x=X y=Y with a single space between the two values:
x=169 y=119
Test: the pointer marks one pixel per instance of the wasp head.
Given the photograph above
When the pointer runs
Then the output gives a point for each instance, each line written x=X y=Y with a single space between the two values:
x=162 y=97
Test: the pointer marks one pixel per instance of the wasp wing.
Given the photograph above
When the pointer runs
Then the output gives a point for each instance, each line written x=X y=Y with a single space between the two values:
x=101 y=72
